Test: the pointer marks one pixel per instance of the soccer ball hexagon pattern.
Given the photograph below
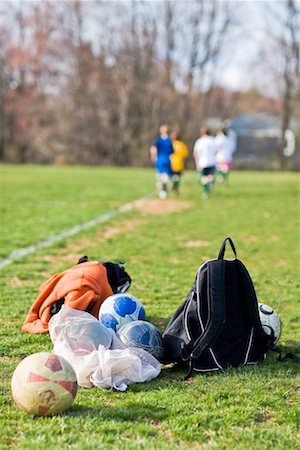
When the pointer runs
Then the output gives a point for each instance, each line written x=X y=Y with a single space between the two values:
x=44 y=384
x=270 y=320
x=143 y=335
x=119 y=309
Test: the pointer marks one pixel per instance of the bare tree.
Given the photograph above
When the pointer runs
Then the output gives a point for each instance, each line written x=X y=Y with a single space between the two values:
x=169 y=30
x=90 y=82
x=284 y=36
x=3 y=81
x=291 y=73
x=209 y=26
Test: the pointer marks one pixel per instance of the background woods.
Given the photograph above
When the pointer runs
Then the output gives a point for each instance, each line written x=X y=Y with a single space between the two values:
x=90 y=82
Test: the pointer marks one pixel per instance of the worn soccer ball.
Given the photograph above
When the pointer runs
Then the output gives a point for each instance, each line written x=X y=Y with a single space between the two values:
x=119 y=309
x=85 y=337
x=270 y=320
x=44 y=384
x=143 y=335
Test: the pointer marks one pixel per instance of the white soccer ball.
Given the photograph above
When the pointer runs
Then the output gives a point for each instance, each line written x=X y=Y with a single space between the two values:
x=44 y=384
x=270 y=320
x=119 y=309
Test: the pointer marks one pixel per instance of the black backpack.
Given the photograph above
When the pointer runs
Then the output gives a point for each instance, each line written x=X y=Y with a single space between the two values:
x=218 y=324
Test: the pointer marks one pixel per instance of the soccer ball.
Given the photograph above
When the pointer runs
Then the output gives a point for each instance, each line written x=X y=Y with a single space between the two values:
x=85 y=337
x=143 y=335
x=119 y=309
x=44 y=384
x=270 y=320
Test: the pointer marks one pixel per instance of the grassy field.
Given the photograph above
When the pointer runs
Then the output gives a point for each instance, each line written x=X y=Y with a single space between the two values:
x=163 y=244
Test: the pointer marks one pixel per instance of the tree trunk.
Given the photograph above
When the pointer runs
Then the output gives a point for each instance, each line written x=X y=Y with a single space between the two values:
x=286 y=115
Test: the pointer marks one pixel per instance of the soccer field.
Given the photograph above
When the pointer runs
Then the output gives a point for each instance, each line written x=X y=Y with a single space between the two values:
x=163 y=243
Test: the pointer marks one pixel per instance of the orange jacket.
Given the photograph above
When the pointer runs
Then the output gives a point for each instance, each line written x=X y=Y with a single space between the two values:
x=84 y=287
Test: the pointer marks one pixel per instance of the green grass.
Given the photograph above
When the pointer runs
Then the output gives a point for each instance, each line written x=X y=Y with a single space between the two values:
x=245 y=408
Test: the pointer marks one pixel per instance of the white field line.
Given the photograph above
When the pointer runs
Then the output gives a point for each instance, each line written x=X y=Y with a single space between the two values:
x=21 y=252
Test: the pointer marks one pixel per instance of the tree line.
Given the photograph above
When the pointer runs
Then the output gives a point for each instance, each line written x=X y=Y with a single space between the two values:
x=90 y=82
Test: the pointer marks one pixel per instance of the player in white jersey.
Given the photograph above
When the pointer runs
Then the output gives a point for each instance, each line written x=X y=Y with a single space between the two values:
x=225 y=148
x=205 y=160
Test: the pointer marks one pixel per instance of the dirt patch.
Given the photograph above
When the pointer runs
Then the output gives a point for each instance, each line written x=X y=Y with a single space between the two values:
x=196 y=244
x=48 y=258
x=175 y=260
x=15 y=282
x=44 y=274
x=251 y=238
x=73 y=257
x=281 y=263
x=163 y=207
x=82 y=247
x=109 y=232
x=273 y=238
x=73 y=251
x=5 y=358
x=127 y=225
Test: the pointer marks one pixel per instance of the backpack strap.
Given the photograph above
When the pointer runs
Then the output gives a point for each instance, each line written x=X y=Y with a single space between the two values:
x=223 y=247
x=251 y=301
x=216 y=314
x=272 y=346
x=83 y=259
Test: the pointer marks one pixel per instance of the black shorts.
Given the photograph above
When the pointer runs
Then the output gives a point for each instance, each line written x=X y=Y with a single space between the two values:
x=208 y=171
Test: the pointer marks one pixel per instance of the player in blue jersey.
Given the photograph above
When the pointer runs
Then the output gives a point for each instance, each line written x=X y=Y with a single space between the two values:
x=160 y=153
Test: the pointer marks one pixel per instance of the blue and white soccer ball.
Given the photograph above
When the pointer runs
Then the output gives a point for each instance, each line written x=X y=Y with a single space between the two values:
x=119 y=309
x=270 y=320
x=142 y=334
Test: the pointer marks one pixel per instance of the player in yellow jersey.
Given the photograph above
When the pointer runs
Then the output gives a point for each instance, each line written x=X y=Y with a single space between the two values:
x=177 y=160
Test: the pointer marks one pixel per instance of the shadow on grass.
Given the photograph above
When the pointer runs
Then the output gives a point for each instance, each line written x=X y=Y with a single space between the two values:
x=176 y=373
x=172 y=377
x=128 y=413
x=292 y=347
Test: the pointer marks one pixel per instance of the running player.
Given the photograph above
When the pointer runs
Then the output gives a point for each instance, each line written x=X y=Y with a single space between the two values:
x=225 y=148
x=205 y=159
x=160 y=153
x=177 y=160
